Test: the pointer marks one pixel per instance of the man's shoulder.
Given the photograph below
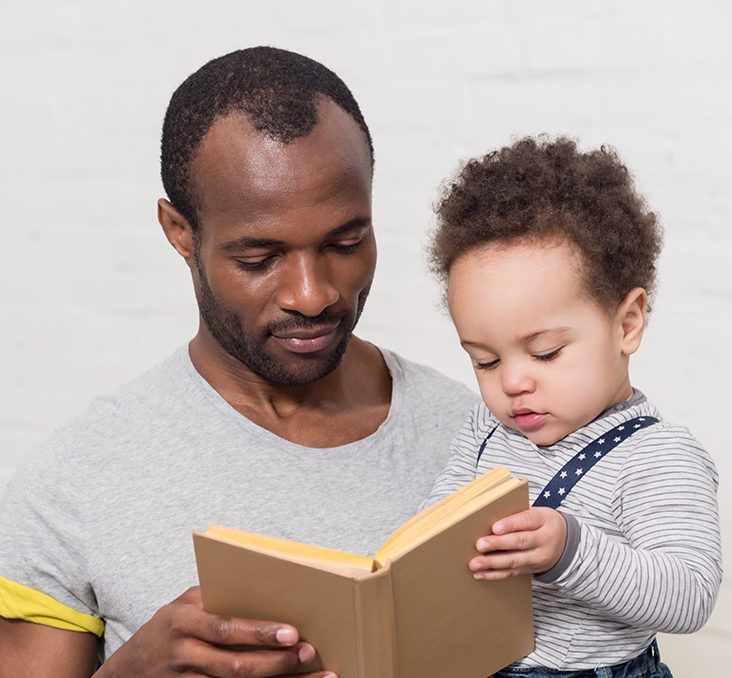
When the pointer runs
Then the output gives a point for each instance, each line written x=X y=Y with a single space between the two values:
x=128 y=407
x=409 y=369
x=427 y=382
x=170 y=372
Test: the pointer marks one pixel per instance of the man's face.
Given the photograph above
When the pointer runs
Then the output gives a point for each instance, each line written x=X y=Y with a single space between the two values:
x=285 y=252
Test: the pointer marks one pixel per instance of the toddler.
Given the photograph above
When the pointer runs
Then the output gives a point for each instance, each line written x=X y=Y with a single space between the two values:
x=548 y=259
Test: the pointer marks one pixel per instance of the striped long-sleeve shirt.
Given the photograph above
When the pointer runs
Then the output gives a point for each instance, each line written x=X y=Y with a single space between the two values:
x=645 y=549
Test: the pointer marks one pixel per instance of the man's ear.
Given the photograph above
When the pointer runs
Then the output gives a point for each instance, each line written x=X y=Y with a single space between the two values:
x=631 y=316
x=177 y=229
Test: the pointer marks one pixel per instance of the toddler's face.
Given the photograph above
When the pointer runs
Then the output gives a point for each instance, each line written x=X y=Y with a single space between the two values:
x=547 y=356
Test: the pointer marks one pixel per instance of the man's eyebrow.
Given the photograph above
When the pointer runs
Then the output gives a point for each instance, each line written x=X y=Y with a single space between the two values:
x=247 y=242
x=351 y=225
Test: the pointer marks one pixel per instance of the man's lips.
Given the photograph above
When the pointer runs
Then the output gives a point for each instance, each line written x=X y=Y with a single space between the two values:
x=528 y=419
x=309 y=340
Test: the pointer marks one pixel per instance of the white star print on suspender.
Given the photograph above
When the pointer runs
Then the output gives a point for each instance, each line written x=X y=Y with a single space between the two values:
x=560 y=485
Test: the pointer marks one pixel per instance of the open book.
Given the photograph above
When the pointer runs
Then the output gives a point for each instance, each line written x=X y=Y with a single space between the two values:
x=412 y=611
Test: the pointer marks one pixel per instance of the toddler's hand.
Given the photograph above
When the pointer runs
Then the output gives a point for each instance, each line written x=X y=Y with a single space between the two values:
x=530 y=542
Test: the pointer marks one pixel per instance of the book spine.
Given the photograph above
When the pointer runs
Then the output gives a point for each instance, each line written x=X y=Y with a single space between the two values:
x=375 y=626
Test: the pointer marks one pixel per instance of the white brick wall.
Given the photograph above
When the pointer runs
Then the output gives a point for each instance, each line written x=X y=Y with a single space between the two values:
x=92 y=294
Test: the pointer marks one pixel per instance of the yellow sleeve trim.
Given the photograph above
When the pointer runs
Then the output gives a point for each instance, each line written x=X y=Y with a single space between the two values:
x=21 y=602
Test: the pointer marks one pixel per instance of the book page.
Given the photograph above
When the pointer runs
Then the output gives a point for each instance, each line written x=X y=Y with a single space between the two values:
x=445 y=512
x=307 y=554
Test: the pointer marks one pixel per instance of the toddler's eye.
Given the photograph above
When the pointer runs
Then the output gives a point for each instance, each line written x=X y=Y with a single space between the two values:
x=486 y=366
x=548 y=356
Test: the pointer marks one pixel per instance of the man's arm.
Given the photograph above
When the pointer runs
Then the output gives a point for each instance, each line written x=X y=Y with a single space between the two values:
x=28 y=649
x=180 y=638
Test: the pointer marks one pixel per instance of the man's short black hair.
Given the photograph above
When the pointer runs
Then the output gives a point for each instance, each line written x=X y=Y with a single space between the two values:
x=276 y=88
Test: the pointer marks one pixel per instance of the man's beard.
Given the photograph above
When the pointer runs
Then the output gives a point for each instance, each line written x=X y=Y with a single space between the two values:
x=249 y=349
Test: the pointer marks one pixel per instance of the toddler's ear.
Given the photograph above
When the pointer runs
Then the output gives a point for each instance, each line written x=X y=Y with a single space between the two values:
x=631 y=317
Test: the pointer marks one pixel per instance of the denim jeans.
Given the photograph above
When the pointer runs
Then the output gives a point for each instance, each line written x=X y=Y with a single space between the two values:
x=645 y=665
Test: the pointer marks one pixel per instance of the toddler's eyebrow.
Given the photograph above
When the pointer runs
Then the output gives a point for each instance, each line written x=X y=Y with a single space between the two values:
x=528 y=338
x=525 y=339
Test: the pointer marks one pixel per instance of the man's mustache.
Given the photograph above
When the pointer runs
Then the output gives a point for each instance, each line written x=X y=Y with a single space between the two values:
x=302 y=322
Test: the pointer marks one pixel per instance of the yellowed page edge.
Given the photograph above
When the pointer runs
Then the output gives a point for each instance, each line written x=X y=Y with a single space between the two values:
x=307 y=554
x=441 y=520
x=434 y=513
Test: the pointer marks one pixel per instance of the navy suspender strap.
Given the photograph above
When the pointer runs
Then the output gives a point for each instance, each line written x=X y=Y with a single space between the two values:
x=561 y=484
x=484 y=443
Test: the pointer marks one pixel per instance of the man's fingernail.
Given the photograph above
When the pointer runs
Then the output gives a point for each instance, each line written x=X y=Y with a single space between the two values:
x=306 y=653
x=286 y=636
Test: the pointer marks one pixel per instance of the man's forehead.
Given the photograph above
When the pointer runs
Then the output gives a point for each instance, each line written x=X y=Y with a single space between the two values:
x=243 y=176
x=332 y=125
x=233 y=145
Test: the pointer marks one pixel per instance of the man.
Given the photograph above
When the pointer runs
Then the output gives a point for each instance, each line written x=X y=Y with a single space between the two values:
x=273 y=419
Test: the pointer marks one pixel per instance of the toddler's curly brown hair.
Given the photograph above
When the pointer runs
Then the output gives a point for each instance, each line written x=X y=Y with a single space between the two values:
x=544 y=190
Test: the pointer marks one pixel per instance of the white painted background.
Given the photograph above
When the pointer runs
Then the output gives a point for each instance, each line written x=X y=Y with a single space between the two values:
x=92 y=294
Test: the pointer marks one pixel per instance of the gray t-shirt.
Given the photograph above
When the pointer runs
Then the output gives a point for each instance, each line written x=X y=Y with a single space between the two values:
x=100 y=518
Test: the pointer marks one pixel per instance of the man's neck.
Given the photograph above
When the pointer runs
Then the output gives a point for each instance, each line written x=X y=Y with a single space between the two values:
x=348 y=404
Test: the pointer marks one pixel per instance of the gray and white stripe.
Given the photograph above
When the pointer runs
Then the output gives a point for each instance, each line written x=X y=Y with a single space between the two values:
x=649 y=553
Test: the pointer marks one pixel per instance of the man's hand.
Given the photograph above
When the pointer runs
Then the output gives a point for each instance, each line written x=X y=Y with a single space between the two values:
x=182 y=639
x=530 y=542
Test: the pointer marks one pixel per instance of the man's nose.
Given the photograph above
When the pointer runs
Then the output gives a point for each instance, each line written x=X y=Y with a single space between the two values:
x=306 y=286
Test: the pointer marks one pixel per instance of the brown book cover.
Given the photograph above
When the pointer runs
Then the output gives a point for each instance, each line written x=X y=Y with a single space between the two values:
x=413 y=611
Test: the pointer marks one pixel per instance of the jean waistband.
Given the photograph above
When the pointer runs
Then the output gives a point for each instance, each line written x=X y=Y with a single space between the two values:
x=637 y=667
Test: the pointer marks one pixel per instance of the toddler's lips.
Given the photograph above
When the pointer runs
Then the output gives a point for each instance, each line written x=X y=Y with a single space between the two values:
x=528 y=419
